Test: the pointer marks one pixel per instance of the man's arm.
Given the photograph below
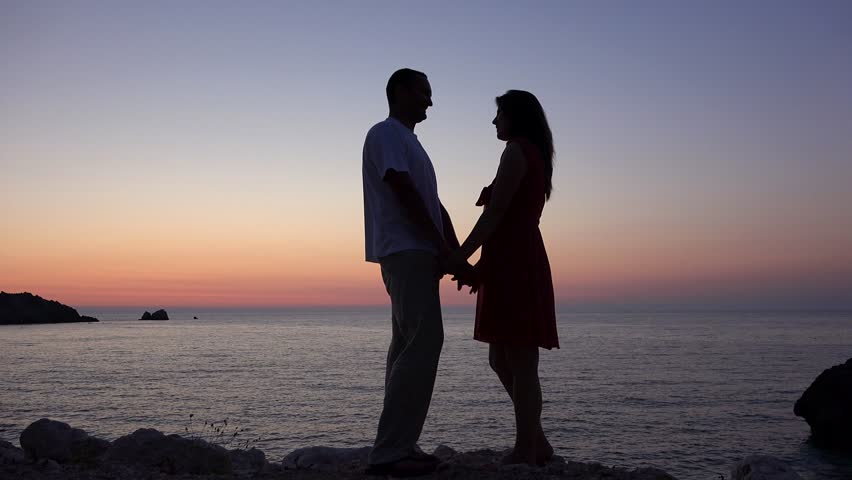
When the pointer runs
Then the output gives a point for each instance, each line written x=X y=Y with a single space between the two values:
x=449 y=231
x=463 y=271
x=415 y=208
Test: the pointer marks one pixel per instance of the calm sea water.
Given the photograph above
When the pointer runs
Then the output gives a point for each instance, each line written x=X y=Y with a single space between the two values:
x=689 y=393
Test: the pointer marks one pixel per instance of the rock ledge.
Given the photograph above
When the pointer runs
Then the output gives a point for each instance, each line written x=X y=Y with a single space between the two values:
x=825 y=406
x=53 y=450
x=26 y=308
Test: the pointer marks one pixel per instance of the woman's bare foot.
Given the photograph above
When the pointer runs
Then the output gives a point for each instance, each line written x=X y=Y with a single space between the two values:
x=544 y=454
x=544 y=451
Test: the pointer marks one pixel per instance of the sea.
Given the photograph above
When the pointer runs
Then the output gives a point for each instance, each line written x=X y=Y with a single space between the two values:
x=690 y=393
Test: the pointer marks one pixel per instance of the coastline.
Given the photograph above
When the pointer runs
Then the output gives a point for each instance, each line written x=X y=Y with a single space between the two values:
x=52 y=450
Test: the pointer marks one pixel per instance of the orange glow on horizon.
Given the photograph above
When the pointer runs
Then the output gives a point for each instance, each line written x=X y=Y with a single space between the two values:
x=249 y=261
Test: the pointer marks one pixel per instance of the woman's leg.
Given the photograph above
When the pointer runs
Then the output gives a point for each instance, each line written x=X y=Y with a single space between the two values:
x=526 y=396
x=500 y=364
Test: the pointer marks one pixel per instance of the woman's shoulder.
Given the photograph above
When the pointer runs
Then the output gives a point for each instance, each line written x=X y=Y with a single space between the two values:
x=526 y=147
x=513 y=162
x=518 y=150
x=515 y=147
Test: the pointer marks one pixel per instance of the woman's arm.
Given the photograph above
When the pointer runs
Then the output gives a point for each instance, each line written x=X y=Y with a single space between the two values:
x=513 y=167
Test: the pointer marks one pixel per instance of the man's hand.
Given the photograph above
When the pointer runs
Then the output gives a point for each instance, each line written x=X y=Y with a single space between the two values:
x=463 y=272
x=468 y=276
x=454 y=262
x=444 y=253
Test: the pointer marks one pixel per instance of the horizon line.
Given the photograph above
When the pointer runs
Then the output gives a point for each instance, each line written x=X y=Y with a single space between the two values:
x=596 y=308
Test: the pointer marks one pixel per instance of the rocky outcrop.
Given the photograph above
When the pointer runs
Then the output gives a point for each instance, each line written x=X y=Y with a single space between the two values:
x=10 y=454
x=478 y=465
x=52 y=449
x=245 y=462
x=59 y=442
x=172 y=454
x=827 y=407
x=763 y=467
x=158 y=315
x=54 y=452
x=26 y=308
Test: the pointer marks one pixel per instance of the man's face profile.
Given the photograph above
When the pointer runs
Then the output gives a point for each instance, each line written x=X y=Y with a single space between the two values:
x=416 y=98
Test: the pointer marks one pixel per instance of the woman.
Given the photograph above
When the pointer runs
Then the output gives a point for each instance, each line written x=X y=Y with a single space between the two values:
x=514 y=307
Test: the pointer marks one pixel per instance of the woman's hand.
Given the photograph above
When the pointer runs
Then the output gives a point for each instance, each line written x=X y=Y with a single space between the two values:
x=456 y=261
x=467 y=275
x=484 y=196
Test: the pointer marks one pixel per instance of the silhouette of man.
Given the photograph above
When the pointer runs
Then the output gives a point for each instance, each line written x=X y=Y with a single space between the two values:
x=409 y=234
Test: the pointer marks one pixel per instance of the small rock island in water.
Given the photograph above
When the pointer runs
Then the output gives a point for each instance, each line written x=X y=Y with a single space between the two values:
x=158 y=315
x=26 y=308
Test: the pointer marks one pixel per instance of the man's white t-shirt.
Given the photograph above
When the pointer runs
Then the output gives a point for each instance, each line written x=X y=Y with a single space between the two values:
x=391 y=145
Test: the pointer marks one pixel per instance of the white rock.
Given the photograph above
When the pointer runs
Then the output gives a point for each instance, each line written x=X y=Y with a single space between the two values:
x=325 y=458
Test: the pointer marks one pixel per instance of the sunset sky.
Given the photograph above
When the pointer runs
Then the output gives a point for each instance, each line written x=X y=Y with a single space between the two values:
x=209 y=153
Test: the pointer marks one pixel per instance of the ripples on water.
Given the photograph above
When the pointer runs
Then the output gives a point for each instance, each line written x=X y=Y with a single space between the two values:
x=689 y=393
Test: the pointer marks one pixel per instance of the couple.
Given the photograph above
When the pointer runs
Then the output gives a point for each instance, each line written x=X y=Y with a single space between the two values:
x=410 y=235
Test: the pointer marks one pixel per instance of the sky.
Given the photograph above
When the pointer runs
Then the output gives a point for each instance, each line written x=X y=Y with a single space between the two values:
x=206 y=153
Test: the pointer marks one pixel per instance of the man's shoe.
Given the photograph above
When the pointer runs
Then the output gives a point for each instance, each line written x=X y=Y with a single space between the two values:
x=406 y=467
x=425 y=457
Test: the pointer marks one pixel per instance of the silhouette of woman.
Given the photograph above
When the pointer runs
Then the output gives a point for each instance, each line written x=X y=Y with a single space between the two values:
x=515 y=311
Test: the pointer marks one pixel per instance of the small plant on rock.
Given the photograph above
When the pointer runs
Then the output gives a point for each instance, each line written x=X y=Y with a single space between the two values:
x=220 y=433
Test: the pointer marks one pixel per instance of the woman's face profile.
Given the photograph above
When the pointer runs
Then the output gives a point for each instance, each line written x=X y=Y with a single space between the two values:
x=501 y=121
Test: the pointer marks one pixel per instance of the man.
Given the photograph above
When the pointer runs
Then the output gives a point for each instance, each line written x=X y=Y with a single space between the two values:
x=409 y=234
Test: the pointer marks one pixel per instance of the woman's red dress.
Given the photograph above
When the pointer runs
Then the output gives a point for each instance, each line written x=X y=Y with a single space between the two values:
x=514 y=306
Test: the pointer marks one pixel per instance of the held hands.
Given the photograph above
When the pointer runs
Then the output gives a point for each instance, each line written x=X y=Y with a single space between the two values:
x=468 y=278
x=463 y=272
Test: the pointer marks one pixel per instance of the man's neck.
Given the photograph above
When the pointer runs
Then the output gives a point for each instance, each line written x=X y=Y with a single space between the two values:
x=403 y=120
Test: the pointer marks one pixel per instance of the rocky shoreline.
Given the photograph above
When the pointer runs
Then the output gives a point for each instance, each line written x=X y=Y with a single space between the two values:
x=52 y=450
x=825 y=405
x=26 y=308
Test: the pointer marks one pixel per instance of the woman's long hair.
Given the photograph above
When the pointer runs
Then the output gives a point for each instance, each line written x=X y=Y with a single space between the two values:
x=527 y=119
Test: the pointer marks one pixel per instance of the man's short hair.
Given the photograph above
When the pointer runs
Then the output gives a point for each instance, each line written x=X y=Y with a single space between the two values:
x=404 y=77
